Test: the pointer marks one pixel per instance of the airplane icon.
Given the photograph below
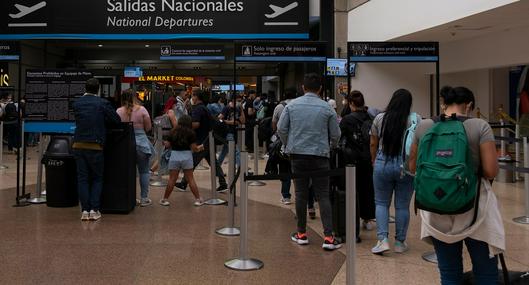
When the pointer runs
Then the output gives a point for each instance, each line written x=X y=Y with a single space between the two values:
x=25 y=10
x=278 y=11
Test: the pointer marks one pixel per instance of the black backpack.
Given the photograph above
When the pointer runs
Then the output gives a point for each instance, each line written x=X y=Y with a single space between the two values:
x=264 y=131
x=355 y=138
x=220 y=129
x=10 y=112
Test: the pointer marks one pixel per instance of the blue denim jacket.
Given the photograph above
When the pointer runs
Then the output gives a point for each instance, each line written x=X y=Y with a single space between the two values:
x=92 y=114
x=307 y=125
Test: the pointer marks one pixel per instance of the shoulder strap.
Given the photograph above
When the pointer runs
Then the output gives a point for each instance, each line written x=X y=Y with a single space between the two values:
x=506 y=278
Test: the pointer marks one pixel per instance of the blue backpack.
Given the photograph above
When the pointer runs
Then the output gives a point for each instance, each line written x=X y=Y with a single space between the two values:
x=407 y=140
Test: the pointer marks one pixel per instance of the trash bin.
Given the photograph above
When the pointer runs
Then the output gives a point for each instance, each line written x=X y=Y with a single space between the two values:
x=506 y=175
x=61 y=173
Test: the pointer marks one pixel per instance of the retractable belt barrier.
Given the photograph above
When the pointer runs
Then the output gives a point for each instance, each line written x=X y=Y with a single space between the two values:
x=327 y=173
x=500 y=126
x=508 y=139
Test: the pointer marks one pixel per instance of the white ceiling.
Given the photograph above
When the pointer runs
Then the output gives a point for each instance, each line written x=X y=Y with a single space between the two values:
x=496 y=20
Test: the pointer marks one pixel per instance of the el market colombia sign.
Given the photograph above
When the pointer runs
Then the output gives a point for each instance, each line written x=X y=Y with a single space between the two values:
x=154 y=19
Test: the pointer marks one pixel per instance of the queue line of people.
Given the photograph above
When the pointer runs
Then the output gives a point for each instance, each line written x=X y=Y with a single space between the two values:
x=299 y=126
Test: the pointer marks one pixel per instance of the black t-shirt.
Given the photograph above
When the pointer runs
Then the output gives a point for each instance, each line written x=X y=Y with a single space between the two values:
x=228 y=114
x=200 y=114
x=248 y=105
x=182 y=140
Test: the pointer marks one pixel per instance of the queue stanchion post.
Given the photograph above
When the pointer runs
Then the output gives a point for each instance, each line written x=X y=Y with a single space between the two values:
x=243 y=138
x=517 y=149
x=2 y=166
x=350 y=220
x=230 y=229
x=38 y=199
x=256 y=158
x=158 y=180
x=502 y=142
x=244 y=263
x=525 y=219
x=214 y=200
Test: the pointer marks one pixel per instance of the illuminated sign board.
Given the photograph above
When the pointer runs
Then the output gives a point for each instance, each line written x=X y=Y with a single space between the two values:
x=4 y=75
x=165 y=78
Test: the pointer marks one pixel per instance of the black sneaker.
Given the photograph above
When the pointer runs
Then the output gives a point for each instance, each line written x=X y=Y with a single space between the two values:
x=330 y=243
x=300 y=238
x=181 y=186
x=222 y=188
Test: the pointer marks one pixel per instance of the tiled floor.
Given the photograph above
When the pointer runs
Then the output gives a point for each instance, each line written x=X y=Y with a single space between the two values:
x=176 y=245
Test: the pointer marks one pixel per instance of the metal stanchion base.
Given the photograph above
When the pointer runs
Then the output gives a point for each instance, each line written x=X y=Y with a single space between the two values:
x=244 y=264
x=37 y=200
x=256 y=183
x=521 y=220
x=430 y=257
x=227 y=231
x=159 y=183
x=22 y=203
x=215 y=202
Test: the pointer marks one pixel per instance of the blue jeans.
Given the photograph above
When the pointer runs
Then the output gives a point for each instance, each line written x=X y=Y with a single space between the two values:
x=450 y=262
x=224 y=151
x=142 y=161
x=90 y=164
x=388 y=178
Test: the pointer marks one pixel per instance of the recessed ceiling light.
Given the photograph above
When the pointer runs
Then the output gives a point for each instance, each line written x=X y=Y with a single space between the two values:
x=99 y=45
x=147 y=46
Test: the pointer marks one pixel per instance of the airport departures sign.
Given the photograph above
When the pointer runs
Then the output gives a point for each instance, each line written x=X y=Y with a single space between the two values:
x=9 y=50
x=280 y=51
x=393 y=51
x=154 y=19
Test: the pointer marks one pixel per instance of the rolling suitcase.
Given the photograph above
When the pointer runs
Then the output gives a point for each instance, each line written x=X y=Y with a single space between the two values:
x=119 y=184
x=338 y=201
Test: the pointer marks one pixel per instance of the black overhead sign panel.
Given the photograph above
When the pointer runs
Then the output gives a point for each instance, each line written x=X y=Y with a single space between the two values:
x=154 y=19
x=9 y=50
x=393 y=51
x=280 y=51
x=187 y=52
x=51 y=93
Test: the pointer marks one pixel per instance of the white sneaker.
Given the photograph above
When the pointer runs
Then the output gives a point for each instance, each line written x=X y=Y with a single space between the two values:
x=95 y=215
x=401 y=246
x=286 y=201
x=85 y=216
x=145 y=202
x=164 y=202
x=368 y=225
x=198 y=203
x=382 y=246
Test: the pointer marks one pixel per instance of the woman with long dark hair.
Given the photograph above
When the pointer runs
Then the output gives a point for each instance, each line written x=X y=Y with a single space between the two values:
x=387 y=139
x=132 y=111
x=182 y=144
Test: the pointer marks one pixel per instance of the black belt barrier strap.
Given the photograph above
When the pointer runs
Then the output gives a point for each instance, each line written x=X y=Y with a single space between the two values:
x=499 y=126
x=329 y=173
x=509 y=139
x=514 y=168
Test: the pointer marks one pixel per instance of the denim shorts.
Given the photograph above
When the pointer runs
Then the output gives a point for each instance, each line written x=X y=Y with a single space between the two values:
x=181 y=160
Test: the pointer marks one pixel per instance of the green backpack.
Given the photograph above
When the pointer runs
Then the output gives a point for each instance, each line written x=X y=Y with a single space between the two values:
x=445 y=182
